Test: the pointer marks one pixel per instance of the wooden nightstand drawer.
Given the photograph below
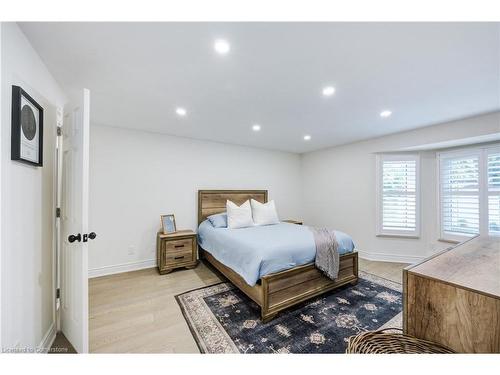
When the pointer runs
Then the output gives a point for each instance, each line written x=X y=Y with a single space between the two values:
x=179 y=245
x=177 y=257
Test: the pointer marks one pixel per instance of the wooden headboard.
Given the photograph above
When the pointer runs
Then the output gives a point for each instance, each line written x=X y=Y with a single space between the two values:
x=212 y=202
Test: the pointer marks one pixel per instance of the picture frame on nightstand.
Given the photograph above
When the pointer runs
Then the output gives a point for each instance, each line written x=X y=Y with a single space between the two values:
x=168 y=224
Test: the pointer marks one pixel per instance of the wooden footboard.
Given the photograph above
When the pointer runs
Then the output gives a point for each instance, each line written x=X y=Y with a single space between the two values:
x=288 y=288
x=281 y=290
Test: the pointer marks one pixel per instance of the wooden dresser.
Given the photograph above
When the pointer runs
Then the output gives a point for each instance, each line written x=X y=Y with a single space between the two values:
x=176 y=250
x=453 y=298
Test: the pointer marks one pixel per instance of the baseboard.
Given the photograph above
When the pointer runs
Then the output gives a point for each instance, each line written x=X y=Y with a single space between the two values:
x=48 y=339
x=395 y=258
x=119 y=268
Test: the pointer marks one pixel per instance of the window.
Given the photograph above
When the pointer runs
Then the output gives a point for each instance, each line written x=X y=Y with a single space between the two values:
x=469 y=193
x=493 y=170
x=398 y=195
x=460 y=194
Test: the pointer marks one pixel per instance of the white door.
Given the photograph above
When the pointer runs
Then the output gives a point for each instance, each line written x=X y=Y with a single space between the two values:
x=74 y=222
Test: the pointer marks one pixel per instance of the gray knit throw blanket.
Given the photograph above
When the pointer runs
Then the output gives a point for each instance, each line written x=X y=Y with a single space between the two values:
x=327 y=254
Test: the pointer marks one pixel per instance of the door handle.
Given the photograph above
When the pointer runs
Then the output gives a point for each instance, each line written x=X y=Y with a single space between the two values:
x=90 y=236
x=72 y=238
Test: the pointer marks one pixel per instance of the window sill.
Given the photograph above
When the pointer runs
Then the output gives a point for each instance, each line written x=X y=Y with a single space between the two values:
x=454 y=242
x=409 y=236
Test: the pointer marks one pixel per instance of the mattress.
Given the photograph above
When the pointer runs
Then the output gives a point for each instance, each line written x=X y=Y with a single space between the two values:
x=261 y=250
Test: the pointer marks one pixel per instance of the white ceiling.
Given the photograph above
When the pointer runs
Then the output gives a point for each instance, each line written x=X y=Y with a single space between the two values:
x=138 y=73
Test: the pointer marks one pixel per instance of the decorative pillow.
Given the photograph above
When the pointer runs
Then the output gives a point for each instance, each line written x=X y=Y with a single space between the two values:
x=264 y=213
x=218 y=220
x=239 y=216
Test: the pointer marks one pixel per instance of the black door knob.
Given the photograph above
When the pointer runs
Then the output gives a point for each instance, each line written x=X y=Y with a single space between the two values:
x=92 y=235
x=72 y=238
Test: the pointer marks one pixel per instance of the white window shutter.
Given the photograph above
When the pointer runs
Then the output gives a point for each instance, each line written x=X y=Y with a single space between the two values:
x=493 y=172
x=470 y=192
x=459 y=180
x=398 y=195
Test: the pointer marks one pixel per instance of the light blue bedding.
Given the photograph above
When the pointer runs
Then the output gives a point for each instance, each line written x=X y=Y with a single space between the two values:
x=258 y=251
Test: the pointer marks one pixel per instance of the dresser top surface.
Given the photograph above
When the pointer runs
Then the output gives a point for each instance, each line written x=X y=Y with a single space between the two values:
x=473 y=265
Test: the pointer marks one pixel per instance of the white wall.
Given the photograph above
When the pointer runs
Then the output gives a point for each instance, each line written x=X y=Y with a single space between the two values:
x=27 y=215
x=339 y=187
x=137 y=176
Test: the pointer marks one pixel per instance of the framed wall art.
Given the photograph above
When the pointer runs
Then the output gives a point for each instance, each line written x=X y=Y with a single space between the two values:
x=27 y=128
x=168 y=224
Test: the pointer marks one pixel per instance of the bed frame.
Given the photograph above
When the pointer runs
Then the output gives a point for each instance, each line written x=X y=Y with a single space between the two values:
x=281 y=290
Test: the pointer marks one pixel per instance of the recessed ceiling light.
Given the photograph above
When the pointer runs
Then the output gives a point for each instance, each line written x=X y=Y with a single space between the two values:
x=328 y=91
x=385 y=113
x=222 y=46
x=307 y=137
x=256 y=127
x=181 y=111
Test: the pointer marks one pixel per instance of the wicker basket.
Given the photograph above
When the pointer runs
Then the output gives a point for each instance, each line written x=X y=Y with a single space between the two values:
x=386 y=341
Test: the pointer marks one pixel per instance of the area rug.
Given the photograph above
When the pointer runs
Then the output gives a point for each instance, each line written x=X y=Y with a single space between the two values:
x=224 y=320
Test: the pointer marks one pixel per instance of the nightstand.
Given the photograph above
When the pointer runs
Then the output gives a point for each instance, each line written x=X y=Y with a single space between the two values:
x=293 y=222
x=176 y=250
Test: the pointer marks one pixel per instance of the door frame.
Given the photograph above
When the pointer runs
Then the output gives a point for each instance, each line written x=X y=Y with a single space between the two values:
x=57 y=218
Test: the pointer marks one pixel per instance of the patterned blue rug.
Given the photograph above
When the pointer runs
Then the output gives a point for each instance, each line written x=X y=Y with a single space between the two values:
x=223 y=320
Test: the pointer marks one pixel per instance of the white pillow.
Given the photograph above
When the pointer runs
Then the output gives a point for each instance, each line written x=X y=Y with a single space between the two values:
x=264 y=213
x=239 y=216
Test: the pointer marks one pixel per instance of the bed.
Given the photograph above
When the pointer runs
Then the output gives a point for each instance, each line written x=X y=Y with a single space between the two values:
x=274 y=282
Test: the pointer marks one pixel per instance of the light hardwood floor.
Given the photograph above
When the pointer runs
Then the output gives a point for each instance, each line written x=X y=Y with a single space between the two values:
x=387 y=270
x=136 y=312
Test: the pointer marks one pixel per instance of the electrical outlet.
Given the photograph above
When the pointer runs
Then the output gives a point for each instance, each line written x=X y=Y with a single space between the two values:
x=131 y=250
